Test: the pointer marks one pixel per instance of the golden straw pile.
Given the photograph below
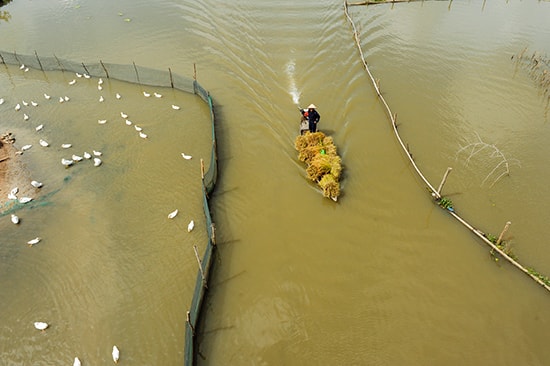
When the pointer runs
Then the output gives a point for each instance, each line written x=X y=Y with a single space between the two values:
x=324 y=166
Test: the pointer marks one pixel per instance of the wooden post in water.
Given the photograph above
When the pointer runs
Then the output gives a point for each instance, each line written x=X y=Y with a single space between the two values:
x=85 y=68
x=188 y=315
x=443 y=181
x=39 y=63
x=213 y=229
x=2 y=58
x=503 y=232
x=200 y=266
x=137 y=74
x=194 y=71
x=104 y=69
x=202 y=169
x=171 y=78
x=59 y=63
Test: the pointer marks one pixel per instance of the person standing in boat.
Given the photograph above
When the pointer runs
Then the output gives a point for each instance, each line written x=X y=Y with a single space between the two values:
x=312 y=116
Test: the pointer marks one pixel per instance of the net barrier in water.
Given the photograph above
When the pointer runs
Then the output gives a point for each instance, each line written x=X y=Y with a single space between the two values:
x=151 y=77
x=495 y=246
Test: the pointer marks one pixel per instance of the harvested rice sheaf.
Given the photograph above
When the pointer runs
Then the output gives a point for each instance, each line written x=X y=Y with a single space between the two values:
x=324 y=166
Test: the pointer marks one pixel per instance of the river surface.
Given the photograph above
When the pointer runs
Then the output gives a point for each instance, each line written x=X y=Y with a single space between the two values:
x=383 y=277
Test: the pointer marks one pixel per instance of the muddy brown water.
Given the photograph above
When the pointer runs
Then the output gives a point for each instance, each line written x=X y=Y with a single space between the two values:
x=384 y=277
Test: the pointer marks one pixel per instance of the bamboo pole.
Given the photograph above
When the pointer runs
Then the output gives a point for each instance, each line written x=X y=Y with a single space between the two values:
x=383 y=100
x=137 y=74
x=38 y=58
x=171 y=78
x=213 y=237
x=59 y=63
x=85 y=68
x=200 y=266
x=104 y=68
x=202 y=169
x=434 y=192
x=449 y=169
x=503 y=232
x=188 y=315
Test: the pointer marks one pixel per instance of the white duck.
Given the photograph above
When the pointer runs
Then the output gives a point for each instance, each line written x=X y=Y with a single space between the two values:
x=190 y=226
x=186 y=157
x=36 y=184
x=14 y=219
x=43 y=143
x=173 y=214
x=39 y=127
x=77 y=362
x=25 y=199
x=176 y=107
x=97 y=161
x=41 y=325
x=116 y=354
x=31 y=243
x=67 y=162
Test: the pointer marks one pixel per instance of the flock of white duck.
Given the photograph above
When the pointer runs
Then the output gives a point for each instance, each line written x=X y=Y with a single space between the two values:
x=67 y=162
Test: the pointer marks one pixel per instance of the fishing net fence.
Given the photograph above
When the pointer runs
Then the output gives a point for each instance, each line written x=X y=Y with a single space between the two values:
x=152 y=77
x=495 y=243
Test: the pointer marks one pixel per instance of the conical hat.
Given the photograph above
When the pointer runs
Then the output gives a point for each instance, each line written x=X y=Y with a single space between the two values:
x=311 y=106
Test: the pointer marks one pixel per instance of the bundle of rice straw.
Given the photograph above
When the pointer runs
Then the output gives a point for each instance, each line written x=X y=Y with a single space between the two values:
x=324 y=166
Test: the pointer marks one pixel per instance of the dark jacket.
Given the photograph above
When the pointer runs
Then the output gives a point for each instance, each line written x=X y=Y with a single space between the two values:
x=313 y=116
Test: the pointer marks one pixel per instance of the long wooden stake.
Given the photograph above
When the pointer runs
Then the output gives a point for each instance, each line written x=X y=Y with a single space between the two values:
x=171 y=78
x=39 y=63
x=59 y=63
x=202 y=169
x=189 y=322
x=503 y=232
x=213 y=229
x=137 y=74
x=200 y=266
x=104 y=68
x=443 y=181
x=85 y=68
